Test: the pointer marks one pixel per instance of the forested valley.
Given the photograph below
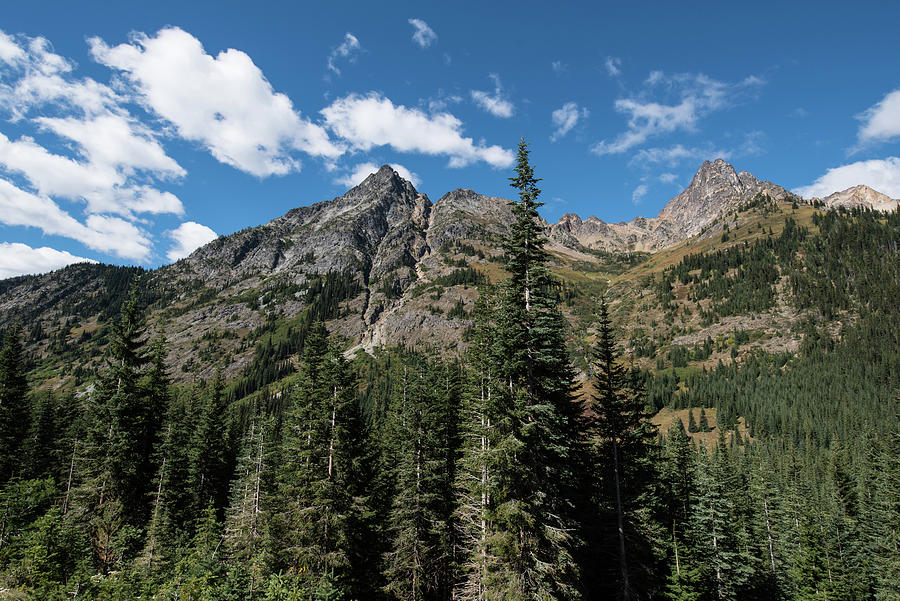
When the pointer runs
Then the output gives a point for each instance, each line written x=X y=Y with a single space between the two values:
x=496 y=475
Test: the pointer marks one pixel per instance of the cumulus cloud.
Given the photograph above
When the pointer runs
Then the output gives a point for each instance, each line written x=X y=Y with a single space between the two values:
x=613 y=66
x=21 y=259
x=224 y=103
x=346 y=50
x=115 y=155
x=113 y=167
x=373 y=120
x=559 y=67
x=188 y=237
x=364 y=170
x=639 y=193
x=565 y=118
x=696 y=96
x=494 y=103
x=881 y=174
x=881 y=122
x=99 y=232
x=423 y=35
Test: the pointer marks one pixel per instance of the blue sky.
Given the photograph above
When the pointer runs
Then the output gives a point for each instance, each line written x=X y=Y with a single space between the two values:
x=130 y=133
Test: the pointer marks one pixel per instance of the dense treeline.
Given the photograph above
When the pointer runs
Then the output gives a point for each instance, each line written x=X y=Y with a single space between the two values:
x=408 y=476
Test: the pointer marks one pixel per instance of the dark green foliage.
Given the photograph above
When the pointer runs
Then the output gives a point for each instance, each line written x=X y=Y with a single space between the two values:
x=420 y=453
x=319 y=505
x=623 y=449
x=14 y=407
x=516 y=513
x=279 y=341
x=400 y=475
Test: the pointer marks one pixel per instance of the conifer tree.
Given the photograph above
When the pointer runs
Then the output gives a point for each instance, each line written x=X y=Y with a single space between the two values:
x=624 y=444
x=14 y=409
x=703 y=425
x=39 y=448
x=319 y=497
x=418 y=565
x=125 y=433
x=175 y=496
x=726 y=567
x=209 y=448
x=692 y=425
x=533 y=421
x=246 y=518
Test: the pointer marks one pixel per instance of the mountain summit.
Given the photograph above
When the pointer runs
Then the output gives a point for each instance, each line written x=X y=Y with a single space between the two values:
x=860 y=197
x=716 y=189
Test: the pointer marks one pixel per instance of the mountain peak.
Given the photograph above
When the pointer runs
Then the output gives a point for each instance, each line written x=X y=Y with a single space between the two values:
x=863 y=197
x=716 y=188
x=382 y=184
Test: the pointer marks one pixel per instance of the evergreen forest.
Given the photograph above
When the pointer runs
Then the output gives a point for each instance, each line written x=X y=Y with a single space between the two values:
x=497 y=475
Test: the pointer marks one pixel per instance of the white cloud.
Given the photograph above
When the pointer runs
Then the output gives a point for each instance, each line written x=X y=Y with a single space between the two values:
x=10 y=52
x=364 y=170
x=639 y=193
x=424 y=35
x=116 y=141
x=696 y=94
x=613 y=66
x=882 y=121
x=565 y=118
x=346 y=50
x=224 y=103
x=495 y=104
x=559 y=67
x=21 y=259
x=188 y=237
x=668 y=178
x=115 y=155
x=105 y=187
x=373 y=120
x=880 y=174
x=99 y=232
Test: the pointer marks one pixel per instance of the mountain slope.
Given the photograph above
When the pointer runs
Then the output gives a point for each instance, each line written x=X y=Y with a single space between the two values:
x=386 y=266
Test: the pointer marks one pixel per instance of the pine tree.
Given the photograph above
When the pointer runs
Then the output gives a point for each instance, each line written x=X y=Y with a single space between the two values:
x=174 y=499
x=41 y=444
x=14 y=408
x=422 y=440
x=127 y=416
x=534 y=426
x=725 y=565
x=692 y=425
x=209 y=448
x=319 y=497
x=245 y=522
x=476 y=483
x=703 y=426
x=624 y=444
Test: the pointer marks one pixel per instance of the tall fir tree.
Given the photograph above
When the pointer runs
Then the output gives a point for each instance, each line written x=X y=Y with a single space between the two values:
x=422 y=443
x=534 y=425
x=209 y=448
x=319 y=502
x=624 y=445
